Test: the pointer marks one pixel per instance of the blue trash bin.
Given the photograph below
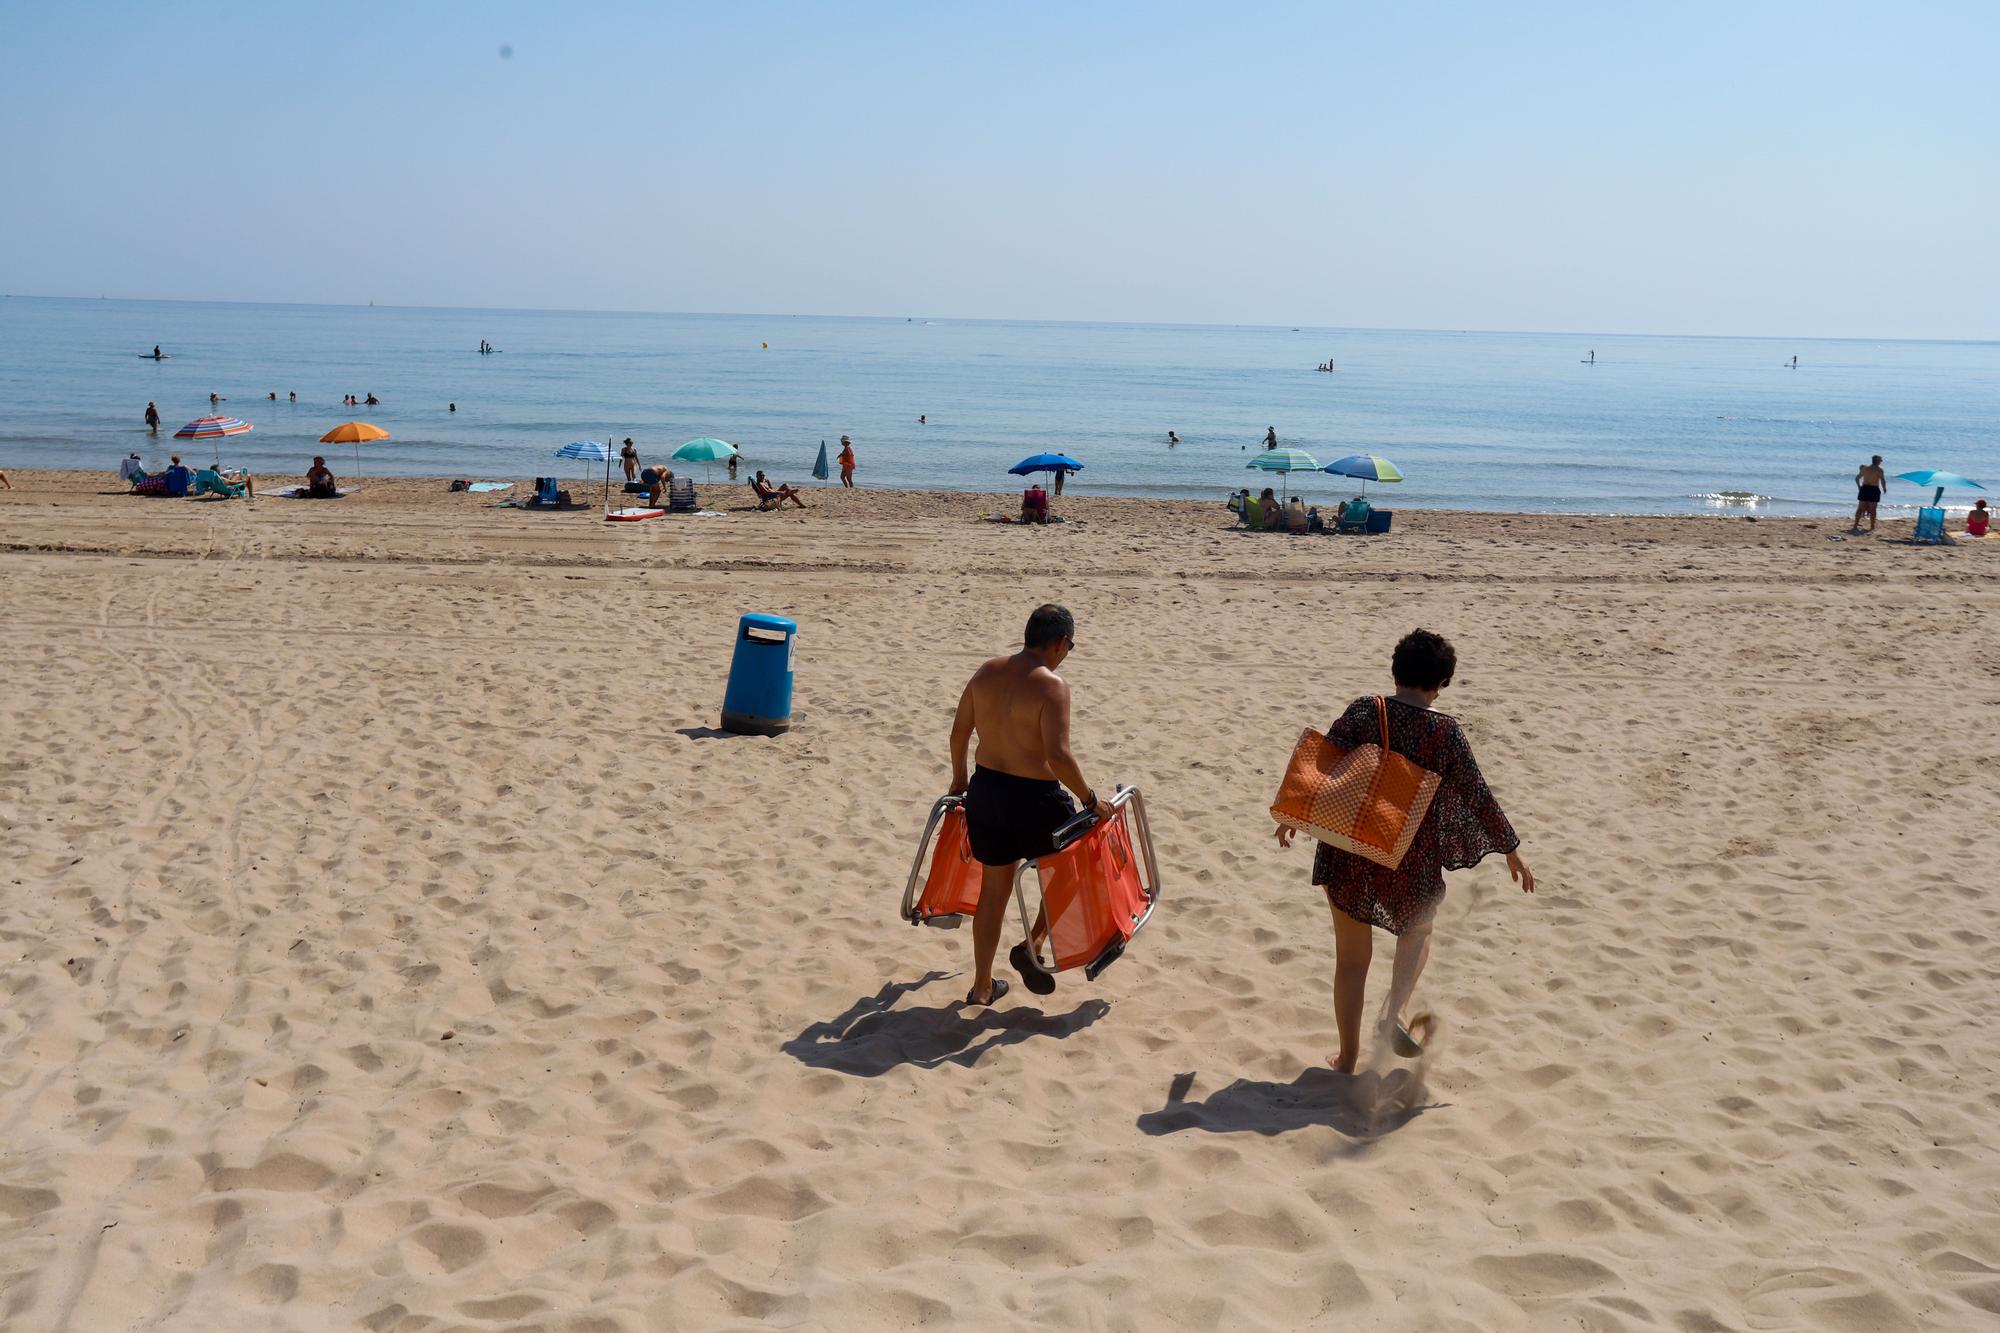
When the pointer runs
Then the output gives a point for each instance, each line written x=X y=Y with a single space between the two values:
x=758 y=701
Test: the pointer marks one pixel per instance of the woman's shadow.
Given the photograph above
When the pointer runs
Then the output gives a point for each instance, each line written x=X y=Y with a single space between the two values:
x=1363 y=1107
x=873 y=1036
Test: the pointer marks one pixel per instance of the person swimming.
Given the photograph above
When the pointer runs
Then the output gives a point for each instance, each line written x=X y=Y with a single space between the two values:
x=1172 y=439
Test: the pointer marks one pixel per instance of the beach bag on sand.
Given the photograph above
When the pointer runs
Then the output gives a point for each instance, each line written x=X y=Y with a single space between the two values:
x=1367 y=800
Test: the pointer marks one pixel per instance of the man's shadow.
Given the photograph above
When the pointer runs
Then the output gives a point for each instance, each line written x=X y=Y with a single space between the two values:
x=873 y=1036
x=1363 y=1107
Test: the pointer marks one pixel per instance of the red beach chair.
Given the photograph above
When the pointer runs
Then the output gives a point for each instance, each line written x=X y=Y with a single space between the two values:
x=1094 y=893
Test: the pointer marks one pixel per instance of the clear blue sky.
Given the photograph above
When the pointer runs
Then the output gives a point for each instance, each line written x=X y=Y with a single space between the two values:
x=1795 y=169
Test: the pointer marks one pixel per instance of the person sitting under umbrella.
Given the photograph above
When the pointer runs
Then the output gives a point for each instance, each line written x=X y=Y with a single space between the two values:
x=319 y=481
x=770 y=496
x=1273 y=512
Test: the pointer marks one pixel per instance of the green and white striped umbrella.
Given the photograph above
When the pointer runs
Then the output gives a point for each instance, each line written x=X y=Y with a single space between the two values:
x=1286 y=462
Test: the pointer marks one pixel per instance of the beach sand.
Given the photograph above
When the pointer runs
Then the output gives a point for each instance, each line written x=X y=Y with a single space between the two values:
x=391 y=942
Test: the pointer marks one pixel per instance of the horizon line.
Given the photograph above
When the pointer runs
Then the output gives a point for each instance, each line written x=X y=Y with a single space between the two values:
x=990 y=319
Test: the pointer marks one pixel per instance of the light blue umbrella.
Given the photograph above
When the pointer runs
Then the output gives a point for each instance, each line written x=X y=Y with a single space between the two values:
x=591 y=451
x=1932 y=477
x=820 y=469
x=1285 y=462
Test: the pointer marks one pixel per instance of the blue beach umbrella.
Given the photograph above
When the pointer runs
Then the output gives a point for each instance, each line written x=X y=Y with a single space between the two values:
x=1932 y=477
x=1285 y=462
x=1368 y=467
x=591 y=451
x=820 y=469
x=1045 y=463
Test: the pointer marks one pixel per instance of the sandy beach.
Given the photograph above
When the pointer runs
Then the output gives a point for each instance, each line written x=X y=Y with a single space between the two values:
x=391 y=941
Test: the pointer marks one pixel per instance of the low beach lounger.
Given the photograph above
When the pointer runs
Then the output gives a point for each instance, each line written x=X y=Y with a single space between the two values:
x=1094 y=894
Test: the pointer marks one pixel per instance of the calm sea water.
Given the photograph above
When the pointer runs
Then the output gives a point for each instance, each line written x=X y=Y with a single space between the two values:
x=1508 y=421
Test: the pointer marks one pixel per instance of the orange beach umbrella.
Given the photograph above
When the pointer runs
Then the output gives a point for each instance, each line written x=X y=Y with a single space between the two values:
x=355 y=433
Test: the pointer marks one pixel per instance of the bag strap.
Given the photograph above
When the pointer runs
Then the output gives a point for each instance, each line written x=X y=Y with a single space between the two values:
x=1382 y=711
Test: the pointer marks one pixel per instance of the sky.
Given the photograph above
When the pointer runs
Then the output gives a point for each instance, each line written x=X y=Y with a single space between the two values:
x=1802 y=170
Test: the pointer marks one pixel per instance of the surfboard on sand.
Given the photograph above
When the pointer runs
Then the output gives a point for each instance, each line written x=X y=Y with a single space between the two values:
x=632 y=515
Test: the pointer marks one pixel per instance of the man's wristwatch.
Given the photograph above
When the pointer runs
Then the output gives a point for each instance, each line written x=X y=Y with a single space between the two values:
x=1090 y=799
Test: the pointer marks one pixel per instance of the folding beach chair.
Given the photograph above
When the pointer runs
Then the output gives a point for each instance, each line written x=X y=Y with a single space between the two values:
x=1930 y=528
x=680 y=496
x=1353 y=517
x=1094 y=892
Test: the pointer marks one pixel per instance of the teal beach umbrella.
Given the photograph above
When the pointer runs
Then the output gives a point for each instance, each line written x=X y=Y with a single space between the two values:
x=820 y=469
x=1285 y=462
x=706 y=450
x=1932 y=477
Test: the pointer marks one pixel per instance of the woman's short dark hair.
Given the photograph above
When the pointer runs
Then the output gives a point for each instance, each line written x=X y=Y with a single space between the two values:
x=1424 y=660
x=1049 y=624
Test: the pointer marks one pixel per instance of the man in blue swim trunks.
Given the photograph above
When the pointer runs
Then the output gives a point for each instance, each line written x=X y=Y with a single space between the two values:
x=1014 y=800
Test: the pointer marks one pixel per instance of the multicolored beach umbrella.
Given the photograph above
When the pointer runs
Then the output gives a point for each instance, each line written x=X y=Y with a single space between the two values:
x=1368 y=467
x=355 y=433
x=1285 y=462
x=213 y=428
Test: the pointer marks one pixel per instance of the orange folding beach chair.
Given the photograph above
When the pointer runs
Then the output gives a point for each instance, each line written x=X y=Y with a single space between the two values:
x=1094 y=896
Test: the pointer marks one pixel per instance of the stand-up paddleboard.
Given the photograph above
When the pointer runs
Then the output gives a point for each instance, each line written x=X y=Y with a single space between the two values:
x=148 y=356
x=632 y=515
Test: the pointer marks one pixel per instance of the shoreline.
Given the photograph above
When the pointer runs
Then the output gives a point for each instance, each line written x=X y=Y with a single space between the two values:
x=426 y=492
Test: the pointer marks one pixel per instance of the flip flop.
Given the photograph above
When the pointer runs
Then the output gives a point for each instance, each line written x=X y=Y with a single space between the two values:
x=1400 y=1039
x=1000 y=988
x=1033 y=975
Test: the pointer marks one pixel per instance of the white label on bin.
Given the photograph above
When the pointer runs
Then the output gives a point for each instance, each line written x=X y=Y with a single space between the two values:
x=791 y=652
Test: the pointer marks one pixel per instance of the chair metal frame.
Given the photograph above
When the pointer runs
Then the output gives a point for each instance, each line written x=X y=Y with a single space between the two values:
x=1142 y=837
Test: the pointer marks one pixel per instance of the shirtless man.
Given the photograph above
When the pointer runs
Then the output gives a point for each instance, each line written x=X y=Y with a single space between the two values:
x=1014 y=799
x=1870 y=482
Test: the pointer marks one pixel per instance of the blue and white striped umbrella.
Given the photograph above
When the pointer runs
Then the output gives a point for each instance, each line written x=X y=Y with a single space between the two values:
x=591 y=451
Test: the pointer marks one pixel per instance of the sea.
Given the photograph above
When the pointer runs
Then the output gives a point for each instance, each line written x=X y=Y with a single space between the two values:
x=1514 y=422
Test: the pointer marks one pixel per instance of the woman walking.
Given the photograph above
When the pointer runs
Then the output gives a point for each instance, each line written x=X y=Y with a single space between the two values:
x=1463 y=825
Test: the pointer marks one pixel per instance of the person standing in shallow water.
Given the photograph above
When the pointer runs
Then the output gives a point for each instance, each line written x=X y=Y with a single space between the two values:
x=1463 y=825
x=152 y=419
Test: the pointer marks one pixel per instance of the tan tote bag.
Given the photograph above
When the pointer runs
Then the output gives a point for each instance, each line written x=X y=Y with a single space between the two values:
x=1367 y=800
